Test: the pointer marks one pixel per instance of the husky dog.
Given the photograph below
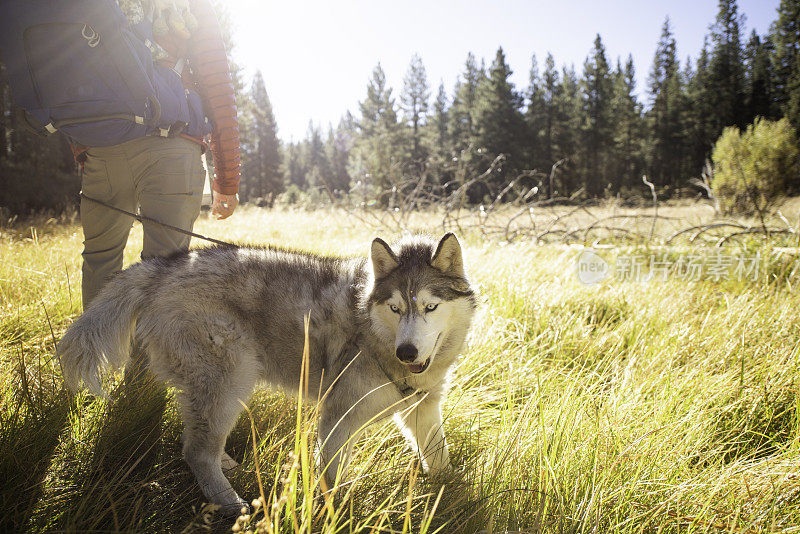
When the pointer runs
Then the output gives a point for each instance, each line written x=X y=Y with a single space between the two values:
x=383 y=336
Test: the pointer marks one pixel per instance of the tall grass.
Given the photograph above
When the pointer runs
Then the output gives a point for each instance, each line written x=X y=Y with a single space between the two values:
x=622 y=407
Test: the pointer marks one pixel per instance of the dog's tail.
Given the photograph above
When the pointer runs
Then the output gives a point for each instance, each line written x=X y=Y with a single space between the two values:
x=100 y=339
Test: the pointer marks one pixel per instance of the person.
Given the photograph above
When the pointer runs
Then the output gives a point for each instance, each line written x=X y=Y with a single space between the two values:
x=163 y=175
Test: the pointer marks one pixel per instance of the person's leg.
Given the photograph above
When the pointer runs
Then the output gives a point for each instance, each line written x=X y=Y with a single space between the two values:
x=171 y=191
x=106 y=177
x=169 y=177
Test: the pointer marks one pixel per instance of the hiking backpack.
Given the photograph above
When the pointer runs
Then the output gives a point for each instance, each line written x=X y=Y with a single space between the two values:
x=79 y=67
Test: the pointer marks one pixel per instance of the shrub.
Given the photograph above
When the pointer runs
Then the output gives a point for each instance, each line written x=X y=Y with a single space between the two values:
x=293 y=195
x=752 y=170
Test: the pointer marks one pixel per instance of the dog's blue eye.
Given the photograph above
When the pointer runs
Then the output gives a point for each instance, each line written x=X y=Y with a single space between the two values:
x=431 y=307
x=394 y=308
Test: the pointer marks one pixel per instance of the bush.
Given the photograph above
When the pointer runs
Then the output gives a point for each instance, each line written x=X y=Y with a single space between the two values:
x=752 y=170
x=292 y=196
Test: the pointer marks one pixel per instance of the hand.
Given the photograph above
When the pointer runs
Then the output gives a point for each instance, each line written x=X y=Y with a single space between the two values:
x=222 y=206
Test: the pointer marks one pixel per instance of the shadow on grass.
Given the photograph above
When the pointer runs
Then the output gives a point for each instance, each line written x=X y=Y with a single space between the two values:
x=29 y=437
x=114 y=486
x=481 y=498
x=381 y=491
x=125 y=473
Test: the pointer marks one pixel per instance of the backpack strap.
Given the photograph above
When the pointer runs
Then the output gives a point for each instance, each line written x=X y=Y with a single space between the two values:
x=179 y=66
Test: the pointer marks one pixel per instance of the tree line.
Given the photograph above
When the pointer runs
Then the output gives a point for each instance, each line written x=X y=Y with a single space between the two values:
x=588 y=130
x=591 y=125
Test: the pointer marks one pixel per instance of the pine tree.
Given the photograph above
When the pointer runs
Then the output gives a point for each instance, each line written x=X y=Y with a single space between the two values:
x=759 y=79
x=319 y=173
x=414 y=100
x=439 y=121
x=315 y=155
x=785 y=36
x=462 y=112
x=377 y=110
x=627 y=113
x=597 y=89
x=535 y=118
x=701 y=125
x=567 y=132
x=441 y=147
x=551 y=90
x=263 y=166
x=466 y=159
x=499 y=124
x=726 y=69
x=379 y=148
x=544 y=118
x=295 y=166
x=248 y=146
x=667 y=114
x=337 y=150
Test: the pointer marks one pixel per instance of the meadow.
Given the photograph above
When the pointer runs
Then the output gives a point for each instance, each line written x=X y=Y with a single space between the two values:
x=637 y=404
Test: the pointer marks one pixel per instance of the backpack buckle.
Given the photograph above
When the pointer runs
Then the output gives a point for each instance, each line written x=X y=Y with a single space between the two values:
x=91 y=36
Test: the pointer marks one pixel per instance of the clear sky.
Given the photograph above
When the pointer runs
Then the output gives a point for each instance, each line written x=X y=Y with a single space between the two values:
x=317 y=56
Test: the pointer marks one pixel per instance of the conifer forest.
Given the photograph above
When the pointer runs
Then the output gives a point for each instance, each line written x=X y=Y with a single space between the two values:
x=580 y=131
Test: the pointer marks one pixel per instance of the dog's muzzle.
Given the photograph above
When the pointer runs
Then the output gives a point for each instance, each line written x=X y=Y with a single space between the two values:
x=407 y=353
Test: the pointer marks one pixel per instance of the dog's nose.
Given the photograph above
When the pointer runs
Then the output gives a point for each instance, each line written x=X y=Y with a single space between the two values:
x=406 y=352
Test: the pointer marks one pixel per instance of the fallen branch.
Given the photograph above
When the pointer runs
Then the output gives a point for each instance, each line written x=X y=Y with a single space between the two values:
x=750 y=231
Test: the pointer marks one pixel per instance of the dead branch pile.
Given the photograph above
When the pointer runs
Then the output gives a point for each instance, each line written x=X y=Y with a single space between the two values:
x=515 y=211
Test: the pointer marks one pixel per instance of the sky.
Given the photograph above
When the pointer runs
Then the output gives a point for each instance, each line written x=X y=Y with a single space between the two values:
x=317 y=56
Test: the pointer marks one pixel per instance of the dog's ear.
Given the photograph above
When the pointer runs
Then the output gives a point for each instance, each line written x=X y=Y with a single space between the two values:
x=447 y=257
x=383 y=259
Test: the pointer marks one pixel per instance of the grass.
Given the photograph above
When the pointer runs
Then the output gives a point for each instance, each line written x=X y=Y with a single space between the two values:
x=663 y=406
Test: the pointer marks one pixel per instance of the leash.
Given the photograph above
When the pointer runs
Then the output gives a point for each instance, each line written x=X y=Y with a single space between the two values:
x=143 y=218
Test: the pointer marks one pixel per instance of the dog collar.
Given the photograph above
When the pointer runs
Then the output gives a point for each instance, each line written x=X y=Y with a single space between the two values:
x=407 y=391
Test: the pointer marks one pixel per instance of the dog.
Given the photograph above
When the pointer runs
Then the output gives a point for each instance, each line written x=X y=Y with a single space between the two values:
x=384 y=334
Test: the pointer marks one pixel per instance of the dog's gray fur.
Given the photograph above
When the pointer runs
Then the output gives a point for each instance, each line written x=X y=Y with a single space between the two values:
x=216 y=321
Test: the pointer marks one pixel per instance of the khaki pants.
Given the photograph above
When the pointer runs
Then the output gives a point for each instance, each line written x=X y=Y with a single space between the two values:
x=162 y=177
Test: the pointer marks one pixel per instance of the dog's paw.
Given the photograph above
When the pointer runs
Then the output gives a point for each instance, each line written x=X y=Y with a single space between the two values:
x=441 y=472
x=233 y=509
